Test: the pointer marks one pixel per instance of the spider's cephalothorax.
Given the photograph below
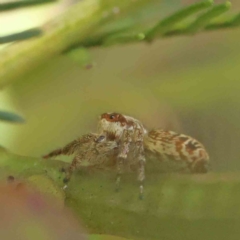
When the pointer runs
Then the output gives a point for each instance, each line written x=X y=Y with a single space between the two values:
x=129 y=133
x=91 y=148
x=169 y=145
x=115 y=124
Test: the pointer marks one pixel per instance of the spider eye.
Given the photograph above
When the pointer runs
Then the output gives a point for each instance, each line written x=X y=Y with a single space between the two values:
x=112 y=116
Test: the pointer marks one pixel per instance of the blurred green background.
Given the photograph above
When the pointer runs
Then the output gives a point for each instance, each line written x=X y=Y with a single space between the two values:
x=186 y=84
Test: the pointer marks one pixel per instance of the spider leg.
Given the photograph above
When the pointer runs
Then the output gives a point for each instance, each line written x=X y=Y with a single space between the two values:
x=199 y=166
x=123 y=153
x=67 y=150
x=141 y=173
x=74 y=165
x=53 y=153
x=119 y=172
x=138 y=138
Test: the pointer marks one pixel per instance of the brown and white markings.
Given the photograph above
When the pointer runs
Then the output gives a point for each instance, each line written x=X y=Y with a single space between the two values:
x=91 y=148
x=168 y=145
x=134 y=143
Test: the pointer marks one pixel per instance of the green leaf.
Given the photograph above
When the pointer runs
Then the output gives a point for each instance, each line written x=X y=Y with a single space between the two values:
x=18 y=4
x=11 y=117
x=34 y=32
x=167 y=23
x=205 y=18
x=234 y=21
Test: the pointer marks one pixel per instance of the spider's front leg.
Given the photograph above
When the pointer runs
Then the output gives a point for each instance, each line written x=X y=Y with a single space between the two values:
x=139 y=154
x=67 y=150
x=125 y=142
x=74 y=165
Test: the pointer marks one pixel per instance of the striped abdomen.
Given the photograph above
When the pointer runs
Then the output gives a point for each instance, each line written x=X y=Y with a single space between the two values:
x=178 y=147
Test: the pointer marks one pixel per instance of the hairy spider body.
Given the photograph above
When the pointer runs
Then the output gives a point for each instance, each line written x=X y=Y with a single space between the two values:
x=124 y=139
x=131 y=136
x=90 y=148
x=168 y=145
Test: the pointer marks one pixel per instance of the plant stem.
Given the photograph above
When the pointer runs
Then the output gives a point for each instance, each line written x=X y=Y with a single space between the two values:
x=75 y=25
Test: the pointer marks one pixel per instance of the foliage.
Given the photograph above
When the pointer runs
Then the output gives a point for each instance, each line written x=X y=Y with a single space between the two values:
x=203 y=207
x=9 y=5
x=176 y=24
x=10 y=117
x=21 y=36
x=104 y=23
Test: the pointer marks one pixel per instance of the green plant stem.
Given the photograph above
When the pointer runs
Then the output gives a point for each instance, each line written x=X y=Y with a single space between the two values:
x=74 y=26
x=179 y=201
x=23 y=167
x=166 y=27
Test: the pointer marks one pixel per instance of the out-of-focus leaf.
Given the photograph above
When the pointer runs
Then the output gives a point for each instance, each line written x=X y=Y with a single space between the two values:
x=166 y=24
x=205 y=18
x=234 y=21
x=183 y=22
x=26 y=214
x=11 y=117
x=46 y=185
x=35 y=32
x=74 y=25
x=9 y=5
x=81 y=56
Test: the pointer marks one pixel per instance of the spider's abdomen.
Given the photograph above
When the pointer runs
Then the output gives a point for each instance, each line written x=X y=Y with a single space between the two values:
x=178 y=147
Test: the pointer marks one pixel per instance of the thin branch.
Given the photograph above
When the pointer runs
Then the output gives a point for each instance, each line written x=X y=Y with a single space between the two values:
x=229 y=23
x=169 y=22
x=205 y=18
x=170 y=26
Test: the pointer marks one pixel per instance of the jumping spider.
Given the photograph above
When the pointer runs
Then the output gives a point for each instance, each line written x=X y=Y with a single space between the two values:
x=132 y=138
x=125 y=139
